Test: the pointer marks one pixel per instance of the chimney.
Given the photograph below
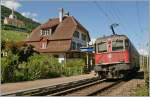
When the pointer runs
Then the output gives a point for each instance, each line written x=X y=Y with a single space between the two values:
x=61 y=13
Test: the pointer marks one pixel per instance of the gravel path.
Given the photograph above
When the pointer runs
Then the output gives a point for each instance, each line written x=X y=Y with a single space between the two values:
x=11 y=87
x=127 y=88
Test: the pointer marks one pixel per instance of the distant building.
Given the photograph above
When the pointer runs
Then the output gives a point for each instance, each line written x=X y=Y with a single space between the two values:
x=12 y=20
x=61 y=37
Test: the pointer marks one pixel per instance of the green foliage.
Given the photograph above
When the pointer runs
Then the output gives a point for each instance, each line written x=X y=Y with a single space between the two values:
x=23 y=63
x=75 y=63
x=25 y=51
x=20 y=75
x=8 y=65
x=14 y=28
x=13 y=35
x=74 y=67
x=3 y=42
x=141 y=91
x=16 y=54
x=42 y=66
x=4 y=68
x=29 y=23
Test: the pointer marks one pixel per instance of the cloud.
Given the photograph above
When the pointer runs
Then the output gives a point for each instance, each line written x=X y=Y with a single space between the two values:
x=11 y=4
x=143 y=51
x=35 y=19
x=30 y=15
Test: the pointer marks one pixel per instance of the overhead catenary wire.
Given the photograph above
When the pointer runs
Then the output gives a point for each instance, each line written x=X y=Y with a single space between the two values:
x=116 y=13
x=103 y=12
x=111 y=16
x=138 y=19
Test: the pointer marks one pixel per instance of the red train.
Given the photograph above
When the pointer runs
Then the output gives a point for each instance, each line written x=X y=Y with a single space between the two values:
x=115 y=56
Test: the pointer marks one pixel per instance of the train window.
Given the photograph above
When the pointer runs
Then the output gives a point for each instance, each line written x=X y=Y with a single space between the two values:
x=117 y=45
x=102 y=47
x=126 y=43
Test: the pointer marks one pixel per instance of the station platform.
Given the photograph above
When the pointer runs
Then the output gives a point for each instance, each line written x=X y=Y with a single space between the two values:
x=12 y=87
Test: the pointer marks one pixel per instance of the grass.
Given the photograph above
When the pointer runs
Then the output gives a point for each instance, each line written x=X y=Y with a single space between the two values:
x=9 y=35
x=141 y=91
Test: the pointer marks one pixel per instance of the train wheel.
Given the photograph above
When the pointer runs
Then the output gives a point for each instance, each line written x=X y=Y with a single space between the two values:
x=101 y=75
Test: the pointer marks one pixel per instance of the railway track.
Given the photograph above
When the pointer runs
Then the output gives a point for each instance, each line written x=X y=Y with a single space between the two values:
x=51 y=90
x=86 y=87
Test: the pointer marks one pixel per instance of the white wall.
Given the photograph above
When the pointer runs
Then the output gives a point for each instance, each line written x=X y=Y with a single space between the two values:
x=5 y=21
x=79 y=40
x=61 y=58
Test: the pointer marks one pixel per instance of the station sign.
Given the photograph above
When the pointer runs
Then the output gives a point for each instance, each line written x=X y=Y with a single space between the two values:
x=86 y=49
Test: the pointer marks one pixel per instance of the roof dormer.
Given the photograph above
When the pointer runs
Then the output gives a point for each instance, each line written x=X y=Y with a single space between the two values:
x=46 y=32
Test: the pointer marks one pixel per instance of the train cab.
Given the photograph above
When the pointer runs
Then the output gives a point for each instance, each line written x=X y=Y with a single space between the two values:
x=113 y=56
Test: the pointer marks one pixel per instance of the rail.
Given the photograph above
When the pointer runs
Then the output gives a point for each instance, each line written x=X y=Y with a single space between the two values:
x=46 y=90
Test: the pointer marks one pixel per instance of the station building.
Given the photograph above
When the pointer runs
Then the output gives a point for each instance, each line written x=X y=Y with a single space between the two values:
x=61 y=37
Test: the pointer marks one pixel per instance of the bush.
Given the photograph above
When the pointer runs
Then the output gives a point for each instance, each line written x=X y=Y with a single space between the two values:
x=8 y=65
x=42 y=66
x=19 y=75
x=74 y=67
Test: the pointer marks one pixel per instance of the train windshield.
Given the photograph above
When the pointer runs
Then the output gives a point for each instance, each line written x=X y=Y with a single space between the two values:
x=102 y=47
x=117 y=45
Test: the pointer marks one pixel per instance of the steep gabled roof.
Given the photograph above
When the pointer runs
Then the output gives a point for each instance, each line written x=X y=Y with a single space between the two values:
x=50 y=23
x=64 y=29
x=56 y=46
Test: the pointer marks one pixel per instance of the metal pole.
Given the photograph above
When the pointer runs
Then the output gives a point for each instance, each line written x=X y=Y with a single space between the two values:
x=87 y=57
x=112 y=27
x=149 y=54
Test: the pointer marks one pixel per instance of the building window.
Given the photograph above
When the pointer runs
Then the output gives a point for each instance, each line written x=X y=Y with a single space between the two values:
x=44 y=45
x=46 y=32
x=73 y=45
x=83 y=37
x=79 y=45
x=76 y=34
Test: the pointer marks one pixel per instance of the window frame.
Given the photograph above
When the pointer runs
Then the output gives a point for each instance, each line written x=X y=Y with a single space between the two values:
x=46 y=32
x=118 y=48
x=76 y=34
x=79 y=45
x=73 y=45
x=102 y=51
x=43 y=45
x=83 y=37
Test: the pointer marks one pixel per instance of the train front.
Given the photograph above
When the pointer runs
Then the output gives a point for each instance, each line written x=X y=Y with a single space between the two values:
x=112 y=56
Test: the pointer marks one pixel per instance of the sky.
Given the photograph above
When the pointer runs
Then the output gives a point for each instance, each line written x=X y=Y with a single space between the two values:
x=95 y=16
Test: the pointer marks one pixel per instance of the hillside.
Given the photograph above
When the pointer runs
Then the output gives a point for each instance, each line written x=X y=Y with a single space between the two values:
x=16 y=36
x=29 y=23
